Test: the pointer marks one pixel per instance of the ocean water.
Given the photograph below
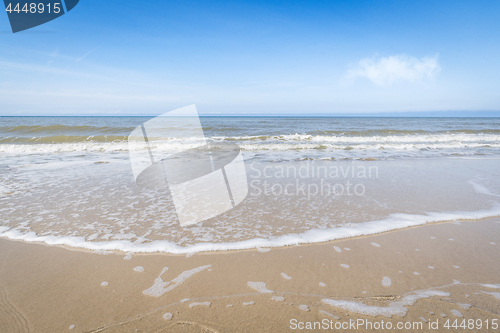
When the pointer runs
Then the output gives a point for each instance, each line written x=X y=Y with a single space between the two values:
x=68 y=180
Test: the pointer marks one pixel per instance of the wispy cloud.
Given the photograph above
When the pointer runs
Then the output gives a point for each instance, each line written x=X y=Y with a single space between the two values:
x=384 y=71
x=78 y=59
x=86 y=54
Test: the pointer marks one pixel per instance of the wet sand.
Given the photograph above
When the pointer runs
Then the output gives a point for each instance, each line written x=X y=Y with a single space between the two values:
x=441 y=268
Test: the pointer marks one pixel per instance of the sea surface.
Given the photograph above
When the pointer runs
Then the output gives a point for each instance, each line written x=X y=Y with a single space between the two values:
x=68 y=180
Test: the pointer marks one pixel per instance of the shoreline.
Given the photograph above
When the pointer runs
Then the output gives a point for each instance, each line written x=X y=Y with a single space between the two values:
x=111 y=246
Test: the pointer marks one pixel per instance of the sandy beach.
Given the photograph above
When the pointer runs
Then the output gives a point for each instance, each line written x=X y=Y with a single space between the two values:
x=418 y=275
x=249 y=166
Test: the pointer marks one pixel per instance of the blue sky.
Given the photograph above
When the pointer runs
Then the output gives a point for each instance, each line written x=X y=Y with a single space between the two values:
x=244 y=57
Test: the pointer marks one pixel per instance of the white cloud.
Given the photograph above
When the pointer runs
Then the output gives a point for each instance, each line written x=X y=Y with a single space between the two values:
x=388 y=70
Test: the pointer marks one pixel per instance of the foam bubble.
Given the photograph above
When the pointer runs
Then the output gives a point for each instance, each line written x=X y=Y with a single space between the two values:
x=322 y=284
x=304 y=307
x=344 y=265
x=160 y=287
x=456 y=266
x=167 y=316
x=278 y=298
x=229 y=306
x=338 y=249
x=416 y=273
x=368 y=310
x=259 y=286
x=431 y=267
x=423 y=319
x=375 y=244
x=456 y=313
x=464 y=306
x=128 y=256
x=492 y=286
x=347 y=249
x=103 y=252
x=386 y=281
x=192 y=305
x=72 y=327
x=139 y=269
x=184 y=300
x=394 y=309
x=248 y=303
x=260 y=249
x=496 y=295
x=286 y=276
x=329 y=314
x=492 y=243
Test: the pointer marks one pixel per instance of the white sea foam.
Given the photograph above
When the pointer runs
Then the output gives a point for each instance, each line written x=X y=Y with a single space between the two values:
x=321 y=284
x=259 y=286
x=286 y=276
x=329 y=314
x=398 y=308
x=496 y=295
x=304 y=307
x=393 y=222
x=344 y=265
x=139 y=269
x=278 y=298
x=337 y=249
x=492 y=286
x=375 y=244
x=160 y=287
x=386 y=282
x=104 y=284
x=456 y=313
x=261 y=249
x=481 y=189
x=464 y=306
x=278 y=142
x=192 y=305
x=167 y=316
x=248 y=303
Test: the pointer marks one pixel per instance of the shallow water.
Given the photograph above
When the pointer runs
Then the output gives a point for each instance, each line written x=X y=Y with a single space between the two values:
x=371 y=176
